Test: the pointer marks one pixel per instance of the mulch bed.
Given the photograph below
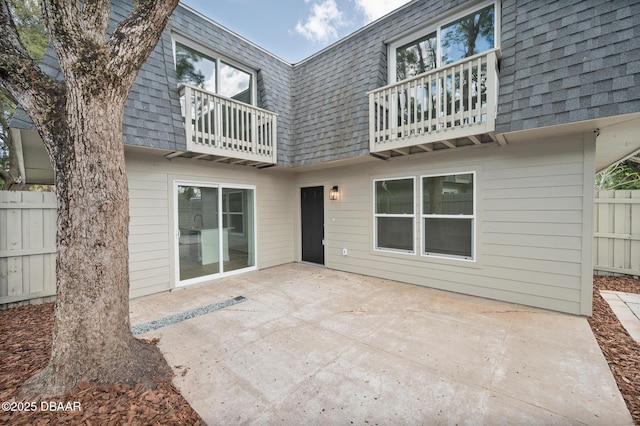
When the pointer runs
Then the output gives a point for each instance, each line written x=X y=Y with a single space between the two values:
x=619 y=349
x=26 y=345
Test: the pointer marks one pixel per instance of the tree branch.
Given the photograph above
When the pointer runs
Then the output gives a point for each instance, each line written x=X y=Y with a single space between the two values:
x=135 y=37
x=85 y=55
x=95 y=15
x=74 y=28
x=19 y=73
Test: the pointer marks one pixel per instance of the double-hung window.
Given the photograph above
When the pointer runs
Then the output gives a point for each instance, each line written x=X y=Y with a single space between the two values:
x=448 y=215
x=453 y=39
x=395 y=214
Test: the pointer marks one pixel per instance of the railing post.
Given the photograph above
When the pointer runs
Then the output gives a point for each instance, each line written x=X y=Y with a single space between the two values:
x=185 y=91
x=492 y=90
x=254 y=131
x=274 y=140
x=372 y=122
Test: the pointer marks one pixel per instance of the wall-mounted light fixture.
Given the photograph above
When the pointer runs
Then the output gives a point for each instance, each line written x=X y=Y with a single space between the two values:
x=334 y=193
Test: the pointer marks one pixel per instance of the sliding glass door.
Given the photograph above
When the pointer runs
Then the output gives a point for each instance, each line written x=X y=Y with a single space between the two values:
x=215 y=230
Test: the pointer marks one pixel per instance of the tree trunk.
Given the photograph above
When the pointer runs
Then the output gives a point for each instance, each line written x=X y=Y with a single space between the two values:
x=79 y=119
x=92 y=257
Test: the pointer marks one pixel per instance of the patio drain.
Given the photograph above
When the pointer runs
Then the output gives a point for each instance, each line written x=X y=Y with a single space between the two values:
x=172 y=319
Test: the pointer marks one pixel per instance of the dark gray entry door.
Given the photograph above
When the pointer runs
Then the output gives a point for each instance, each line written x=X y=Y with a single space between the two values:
x=312 y=208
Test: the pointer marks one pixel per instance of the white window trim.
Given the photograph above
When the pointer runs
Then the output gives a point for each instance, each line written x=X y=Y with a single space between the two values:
x=436 y=27
x=218 y=57
x=473 y=218
x=377 y=215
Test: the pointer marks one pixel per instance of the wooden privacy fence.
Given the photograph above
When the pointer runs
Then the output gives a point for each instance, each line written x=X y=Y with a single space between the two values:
x=27 y=247
x=616 y=246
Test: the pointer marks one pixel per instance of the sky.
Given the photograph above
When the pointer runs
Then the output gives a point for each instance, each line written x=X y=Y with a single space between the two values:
x=294 y=29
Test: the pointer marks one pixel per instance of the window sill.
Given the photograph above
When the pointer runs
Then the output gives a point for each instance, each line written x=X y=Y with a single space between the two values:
x=427 y=260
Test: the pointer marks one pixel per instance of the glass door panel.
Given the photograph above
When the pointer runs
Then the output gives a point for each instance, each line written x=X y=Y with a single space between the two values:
x=198 y=219
x=238 y=228
x=216 y=228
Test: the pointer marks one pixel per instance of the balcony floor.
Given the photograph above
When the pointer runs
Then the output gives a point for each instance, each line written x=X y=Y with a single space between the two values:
x=219 y=159
x=414 y=145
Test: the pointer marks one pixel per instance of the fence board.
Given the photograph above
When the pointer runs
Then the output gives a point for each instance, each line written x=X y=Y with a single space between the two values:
x=27 y=247
x=617 y=232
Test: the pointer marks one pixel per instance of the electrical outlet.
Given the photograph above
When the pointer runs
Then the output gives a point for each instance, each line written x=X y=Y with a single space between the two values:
x=344 y=251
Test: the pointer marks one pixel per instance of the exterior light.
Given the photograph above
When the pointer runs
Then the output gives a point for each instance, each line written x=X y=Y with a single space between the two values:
x=333 y=193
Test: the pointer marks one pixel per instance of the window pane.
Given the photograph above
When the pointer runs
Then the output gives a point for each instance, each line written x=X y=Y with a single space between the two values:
x=448 y=236
x=198 y=223
x=450 y=194
x=238 y=233
x=395 y=233
x=394 y=196
x=416 y=57
x=468 y=36
x=234 y=83
x=195 y=68
x=235 y=201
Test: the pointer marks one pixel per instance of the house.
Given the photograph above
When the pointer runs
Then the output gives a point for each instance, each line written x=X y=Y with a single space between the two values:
x=450 y=144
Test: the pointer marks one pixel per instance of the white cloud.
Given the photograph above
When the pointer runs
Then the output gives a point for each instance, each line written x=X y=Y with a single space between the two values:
x=232 y=81
x=374 y=9
x=323 y=22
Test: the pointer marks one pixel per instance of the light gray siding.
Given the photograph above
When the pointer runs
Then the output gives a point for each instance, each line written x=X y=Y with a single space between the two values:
x=151 y=177
x=531 y=199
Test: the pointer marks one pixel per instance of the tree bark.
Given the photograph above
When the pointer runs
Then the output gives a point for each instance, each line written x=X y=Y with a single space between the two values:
x=92 y=336
x=80 y=123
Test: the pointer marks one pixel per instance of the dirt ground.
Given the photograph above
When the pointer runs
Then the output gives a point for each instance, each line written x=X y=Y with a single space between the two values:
x=26 y=344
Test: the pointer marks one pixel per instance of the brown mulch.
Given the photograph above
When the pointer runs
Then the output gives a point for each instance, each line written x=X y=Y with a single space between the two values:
x=25 y=346
x=619 y=349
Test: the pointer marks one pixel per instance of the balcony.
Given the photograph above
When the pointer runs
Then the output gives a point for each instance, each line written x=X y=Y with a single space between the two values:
x=446 y=108
x=224 y=130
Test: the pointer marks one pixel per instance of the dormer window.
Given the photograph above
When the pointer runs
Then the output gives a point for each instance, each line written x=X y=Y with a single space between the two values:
x=211 y=72
x=461 y=36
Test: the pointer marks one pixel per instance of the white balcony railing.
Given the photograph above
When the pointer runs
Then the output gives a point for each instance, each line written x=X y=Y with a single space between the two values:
x=228 y=130
x=451 y=105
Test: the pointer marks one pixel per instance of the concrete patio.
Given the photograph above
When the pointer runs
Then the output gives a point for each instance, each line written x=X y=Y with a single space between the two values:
x=315 y=346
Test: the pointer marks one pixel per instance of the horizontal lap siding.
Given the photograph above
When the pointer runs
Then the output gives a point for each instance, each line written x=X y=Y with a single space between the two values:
x=529 y=222
x=149 y=259
x=151 y=265
x=275 y=234
x=540 y=228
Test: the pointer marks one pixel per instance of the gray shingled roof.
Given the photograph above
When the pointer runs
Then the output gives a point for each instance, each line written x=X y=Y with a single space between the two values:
x=568 y=61
x=561 y=62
